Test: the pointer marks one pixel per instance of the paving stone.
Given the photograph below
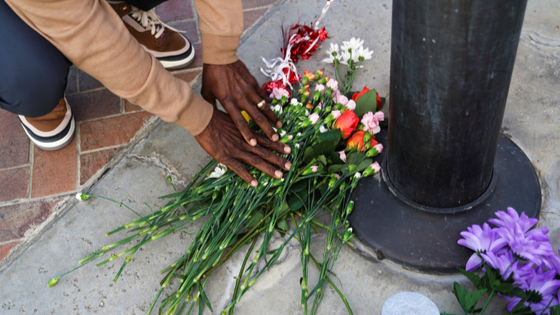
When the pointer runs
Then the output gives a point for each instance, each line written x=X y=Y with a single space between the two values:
x=14 y=184
x=54 y=172
x=87 y=82
x=174 y=10
x=190 y=29
x=5 y=249
x=250 y=17
x=17 y=220
x=90 y=163
x=71 y=86
x=14 y=143
x=95 y=104
x=249 y=4
x=129 y=107
x=111 y=131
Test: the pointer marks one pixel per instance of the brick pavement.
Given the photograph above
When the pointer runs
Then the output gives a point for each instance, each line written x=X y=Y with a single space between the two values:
x=35 y=183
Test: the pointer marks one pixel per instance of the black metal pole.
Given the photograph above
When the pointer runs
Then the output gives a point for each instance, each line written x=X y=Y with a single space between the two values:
x=447 y=167
x=451 y=66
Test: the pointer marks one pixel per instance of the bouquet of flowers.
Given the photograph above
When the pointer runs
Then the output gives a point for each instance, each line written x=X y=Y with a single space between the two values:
x=512 y=261
x=331 y=151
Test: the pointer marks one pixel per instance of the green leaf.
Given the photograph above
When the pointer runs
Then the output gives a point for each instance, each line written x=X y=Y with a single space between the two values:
x=283 y=225
x=295 y=201
x=308 y=155
x=322 y=159
x=502 y=287
x=336 y=168
x=471 y=299
x=366 y=103
x=364 y=164
x=204 y=298
x=285 y=207
x=350 y=94
x=332 y=135
x=471 y=276
x=383 y=99
x=257 y=216
x=299 y=186
x=324 y=147
x=460 y=294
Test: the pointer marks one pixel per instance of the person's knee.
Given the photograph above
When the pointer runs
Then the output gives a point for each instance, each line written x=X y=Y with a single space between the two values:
x=33 y=90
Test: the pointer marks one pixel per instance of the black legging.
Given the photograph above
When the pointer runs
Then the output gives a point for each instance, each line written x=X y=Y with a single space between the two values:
x=32 y=71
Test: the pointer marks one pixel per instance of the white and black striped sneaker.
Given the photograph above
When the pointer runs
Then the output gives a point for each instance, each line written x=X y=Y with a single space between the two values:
x=52 y=131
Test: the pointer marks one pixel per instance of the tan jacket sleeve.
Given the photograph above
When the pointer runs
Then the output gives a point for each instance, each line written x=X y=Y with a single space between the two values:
x=91 y=35
x=221 y=25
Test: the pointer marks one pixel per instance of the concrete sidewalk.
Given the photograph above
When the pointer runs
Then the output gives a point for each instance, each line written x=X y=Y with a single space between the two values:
x=531 y=120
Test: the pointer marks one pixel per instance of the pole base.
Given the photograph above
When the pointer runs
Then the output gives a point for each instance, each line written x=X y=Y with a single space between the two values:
x=425 y=239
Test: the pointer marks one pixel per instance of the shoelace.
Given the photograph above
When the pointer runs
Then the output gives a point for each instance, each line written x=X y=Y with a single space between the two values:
x=149 y=18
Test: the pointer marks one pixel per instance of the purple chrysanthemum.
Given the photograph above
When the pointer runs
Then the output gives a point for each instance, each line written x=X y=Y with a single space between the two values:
x=532 y=245
x=540 y=285
x=511 y=218
x=480 y=240
x=553 y=262
x=504 y=262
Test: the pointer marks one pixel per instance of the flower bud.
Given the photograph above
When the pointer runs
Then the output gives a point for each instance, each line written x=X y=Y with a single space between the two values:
x=332 y=182
x=319 y=74
x=316 y=95
x=52 y=282
x=286 y=139
x=305 y=96
x=328 y=109
x=82 y=197
x=328 y=92
x=323 y=80
x=352 y=167
x=350 y=207
x=304 y=80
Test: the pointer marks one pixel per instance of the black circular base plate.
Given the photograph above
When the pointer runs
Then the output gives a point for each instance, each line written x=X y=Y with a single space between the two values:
x=426 y=239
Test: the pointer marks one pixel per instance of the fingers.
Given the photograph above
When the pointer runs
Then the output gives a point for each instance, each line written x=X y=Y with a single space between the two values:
x=261 y=120
x=240 y=123
x=270 y=157
x=276 y=146
x=256 y=98
x=254 y=160
x=240 y=170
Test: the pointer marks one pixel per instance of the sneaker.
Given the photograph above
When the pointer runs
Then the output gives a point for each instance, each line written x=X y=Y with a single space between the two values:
x=165 y=43
x=53 y=131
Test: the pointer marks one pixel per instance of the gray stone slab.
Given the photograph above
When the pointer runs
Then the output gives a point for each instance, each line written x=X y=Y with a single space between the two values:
x=531 y=119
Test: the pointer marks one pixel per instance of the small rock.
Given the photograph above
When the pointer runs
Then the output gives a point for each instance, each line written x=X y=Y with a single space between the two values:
x=406 y=303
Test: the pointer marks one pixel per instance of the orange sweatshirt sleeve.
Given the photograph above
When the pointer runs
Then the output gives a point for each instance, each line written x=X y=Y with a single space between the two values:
x=91 y=35
x=221 y=25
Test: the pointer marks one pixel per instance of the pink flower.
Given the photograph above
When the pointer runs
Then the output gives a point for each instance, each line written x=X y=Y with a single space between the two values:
x=342 y=155
x=277 y=93
x=314 y=168
x=290 y=137
x=376 y=167
x=380 y=116
x=379 y=148
x=351 y=105
x=371 y=124
x=333 y=84
x=314 y=117
x=336 y=114
x=319 y=87
x=337 y=176
x=341 y=99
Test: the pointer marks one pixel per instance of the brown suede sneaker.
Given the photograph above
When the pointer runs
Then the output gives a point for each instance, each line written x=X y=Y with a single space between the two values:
x=165 y=43
x=53 y=131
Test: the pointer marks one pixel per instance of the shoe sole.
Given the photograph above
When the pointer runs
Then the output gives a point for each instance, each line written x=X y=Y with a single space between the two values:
x=54 y=145
x=178 y=61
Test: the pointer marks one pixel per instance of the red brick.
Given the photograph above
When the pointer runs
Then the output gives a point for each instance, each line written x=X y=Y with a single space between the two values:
x=197 y=63
x=90 y=163
x=94 y=104
x=54 y=172
x=87 y=82
x=189 y=27
x=129 y=107
x=189 y=76
x=250 y=17
x=5 y=249
x=14 y=184
x=14 y=143
x=249 y=4
x=174 y=10
x=111 y=131
x=15 y=220
x=71 y=86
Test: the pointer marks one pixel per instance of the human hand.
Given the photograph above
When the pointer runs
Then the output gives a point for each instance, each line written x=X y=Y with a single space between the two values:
x=236 y=89
x=223 y=141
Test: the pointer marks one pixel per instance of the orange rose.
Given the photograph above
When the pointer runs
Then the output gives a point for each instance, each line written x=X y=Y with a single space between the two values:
x=347 y=122
x=357 y=141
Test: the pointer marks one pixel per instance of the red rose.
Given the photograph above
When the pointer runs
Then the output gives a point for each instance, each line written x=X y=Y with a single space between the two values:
x=378 y=100
x=357 y=141
x=347 y=122
x=357 y=95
